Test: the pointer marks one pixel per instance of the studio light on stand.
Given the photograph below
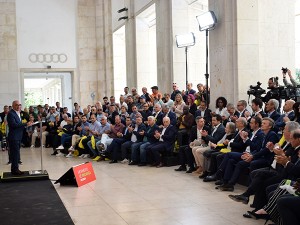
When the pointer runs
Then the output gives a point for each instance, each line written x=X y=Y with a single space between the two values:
x=185 y=41
x=207 y=21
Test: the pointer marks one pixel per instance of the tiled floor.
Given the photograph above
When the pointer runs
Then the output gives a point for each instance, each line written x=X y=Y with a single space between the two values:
x=134 y=195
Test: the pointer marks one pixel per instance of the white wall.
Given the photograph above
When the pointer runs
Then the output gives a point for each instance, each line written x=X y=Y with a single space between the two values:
x=46 y=26
x=184 y=21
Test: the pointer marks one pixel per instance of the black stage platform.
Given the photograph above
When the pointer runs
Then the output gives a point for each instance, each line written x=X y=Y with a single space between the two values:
x=28 y=175
x=33 y=202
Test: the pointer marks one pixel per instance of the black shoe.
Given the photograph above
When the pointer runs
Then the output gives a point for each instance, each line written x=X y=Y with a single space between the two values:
x=239 y=198
x=181 y=168
x=253 y=215
x=113 y=161
x=17 y=172
x=219 y=187
x=54 y=153
x=227 y=187
x=204 y=174
x=190 y=170
x=132 y=163
x=142 y=164
x=210 y=178
x=9 y=162
x=219 y=182
x=20 y=162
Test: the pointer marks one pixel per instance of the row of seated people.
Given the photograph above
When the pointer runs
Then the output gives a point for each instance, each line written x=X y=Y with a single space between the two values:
x=98 y=140
x=224 y=153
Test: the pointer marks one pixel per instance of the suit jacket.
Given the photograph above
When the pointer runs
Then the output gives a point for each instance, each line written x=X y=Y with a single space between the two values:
x=172 y=116
x=264 y=152
x=292 y=169
x=149 y=134
x=216 y=136
x=238 y=145
x=139 y=137
x=193 y=133
x=169 y=137
x=279 y=123
x=274 y=115
x=159 y=118
x=207 y=116
x=16 y=127
x=256 y=143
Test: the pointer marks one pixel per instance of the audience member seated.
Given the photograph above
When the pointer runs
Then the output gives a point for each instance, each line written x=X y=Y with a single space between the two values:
x=146 y=113
x=67 y=128
x=82 y=132
x=217 y=133
x=51 y=117
x=290 y=169
x=236 y=144
x=112 y=113
x=233 y=114
x=241 y=108
x=191 y=104
x=107 y=138
x=168 y=113
x=67 y=136
x=166 y=137
x=104 y=128
x=123 y=114
x=156 y=96
x=271 y=109
x=195 y=139
x=168 y=101
x=138 y=150
x=38 y=131
x=221 y=104
x=52 y=128
x=287 y=116
x=184 y=125
x=93 y=129
x=29 y=132
x=136 y=137
x=204 y=112
x=178 y=105
x=115 y=146
x=287 y=167
x=236 y=162
x=158 y=115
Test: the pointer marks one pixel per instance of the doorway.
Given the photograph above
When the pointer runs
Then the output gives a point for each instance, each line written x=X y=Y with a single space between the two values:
x=42 y=88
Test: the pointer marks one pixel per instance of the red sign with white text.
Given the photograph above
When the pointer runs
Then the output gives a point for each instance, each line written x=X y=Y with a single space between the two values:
x=84 y=173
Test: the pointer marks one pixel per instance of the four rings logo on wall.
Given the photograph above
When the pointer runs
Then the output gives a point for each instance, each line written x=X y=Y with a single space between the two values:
x=48 y=58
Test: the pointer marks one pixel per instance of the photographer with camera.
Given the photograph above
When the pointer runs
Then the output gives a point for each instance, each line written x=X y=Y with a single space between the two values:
x=274 y=92
x=289 y=73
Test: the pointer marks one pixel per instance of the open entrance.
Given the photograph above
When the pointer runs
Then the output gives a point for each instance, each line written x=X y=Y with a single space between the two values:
x=47 y=88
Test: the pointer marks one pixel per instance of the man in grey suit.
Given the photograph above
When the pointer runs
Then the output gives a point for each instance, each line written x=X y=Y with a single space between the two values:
x=16 y=128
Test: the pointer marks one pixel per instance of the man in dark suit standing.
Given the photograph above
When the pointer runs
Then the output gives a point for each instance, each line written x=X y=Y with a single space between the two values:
x=16 y=128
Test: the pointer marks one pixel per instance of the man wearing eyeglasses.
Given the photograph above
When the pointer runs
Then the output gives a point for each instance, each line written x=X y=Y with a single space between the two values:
x=16 y=128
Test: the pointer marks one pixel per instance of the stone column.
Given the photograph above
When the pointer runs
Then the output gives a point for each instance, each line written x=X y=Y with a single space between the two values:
x=86 y=53
x=104 y=48
x=9 y=72
x=130 y=37
x=164 y=43
x=251 y=42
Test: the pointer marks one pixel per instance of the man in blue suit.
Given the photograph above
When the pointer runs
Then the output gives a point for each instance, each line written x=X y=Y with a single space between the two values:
x=16 y=128
x=166 y=137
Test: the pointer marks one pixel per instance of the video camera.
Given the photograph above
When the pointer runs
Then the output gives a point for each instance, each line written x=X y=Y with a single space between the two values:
x=284 y=70
x=256 y=90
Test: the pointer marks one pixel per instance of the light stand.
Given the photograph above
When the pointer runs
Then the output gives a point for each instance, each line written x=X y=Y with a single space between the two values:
x=207 y=21
x=185 y=41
